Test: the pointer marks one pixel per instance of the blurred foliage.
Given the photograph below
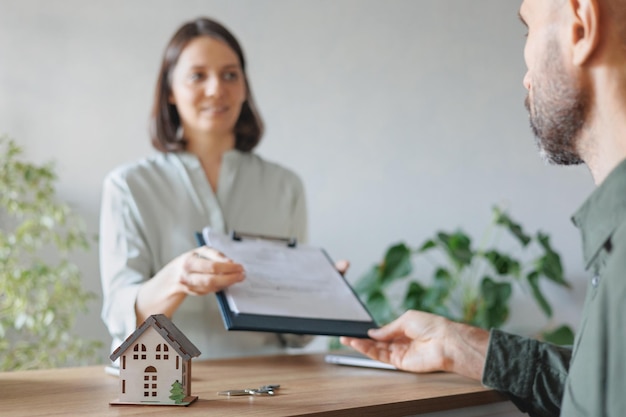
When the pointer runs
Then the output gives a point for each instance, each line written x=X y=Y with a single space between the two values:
x=468 y=285
x=40 y=288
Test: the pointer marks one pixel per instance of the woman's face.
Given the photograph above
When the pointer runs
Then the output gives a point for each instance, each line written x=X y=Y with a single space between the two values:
x=208 y=87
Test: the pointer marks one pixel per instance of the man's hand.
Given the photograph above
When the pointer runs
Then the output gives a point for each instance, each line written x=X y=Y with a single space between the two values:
x=423 y=342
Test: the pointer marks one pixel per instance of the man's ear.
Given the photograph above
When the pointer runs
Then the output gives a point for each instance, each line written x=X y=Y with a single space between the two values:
x=585 y=29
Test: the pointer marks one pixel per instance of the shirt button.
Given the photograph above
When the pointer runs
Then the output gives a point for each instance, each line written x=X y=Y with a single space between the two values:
x=595 y=281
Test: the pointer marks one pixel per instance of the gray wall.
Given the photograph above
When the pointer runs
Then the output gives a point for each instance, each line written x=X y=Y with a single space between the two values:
x=401 y=116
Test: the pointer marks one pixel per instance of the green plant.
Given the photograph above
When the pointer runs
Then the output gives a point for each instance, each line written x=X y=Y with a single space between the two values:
x=40 y=288
x=467 y=284
x=178 y=395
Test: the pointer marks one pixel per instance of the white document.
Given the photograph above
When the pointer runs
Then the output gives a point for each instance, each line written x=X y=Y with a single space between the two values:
x=285 y=281
x=356 y=360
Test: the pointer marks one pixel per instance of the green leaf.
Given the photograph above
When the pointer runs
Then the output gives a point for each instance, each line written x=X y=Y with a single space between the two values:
x=443 y=278
x=503 y=264
x=458 y=247
x=533 y=280
x=493 y=310
x=436 y=296
x=397 y=264
x=434 y=299
x=380 y=308
x=413 y=300
x=562 y=335
x=501 y=218
x=549 y=264
x=369 y=282
x=502 y=290
x=429 y=244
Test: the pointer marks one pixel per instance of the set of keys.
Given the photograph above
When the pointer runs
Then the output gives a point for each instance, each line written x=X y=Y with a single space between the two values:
x=262 y=390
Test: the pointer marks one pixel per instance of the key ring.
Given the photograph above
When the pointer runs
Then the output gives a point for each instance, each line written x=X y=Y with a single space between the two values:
x=262 y=390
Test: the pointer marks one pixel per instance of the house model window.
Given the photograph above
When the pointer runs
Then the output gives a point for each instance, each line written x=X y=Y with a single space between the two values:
x=155 y=364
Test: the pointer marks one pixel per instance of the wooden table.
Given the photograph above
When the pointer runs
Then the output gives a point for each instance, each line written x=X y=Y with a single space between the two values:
x=309 y=386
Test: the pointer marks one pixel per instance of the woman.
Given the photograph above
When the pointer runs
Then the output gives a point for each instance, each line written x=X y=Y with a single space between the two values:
x=205 y=124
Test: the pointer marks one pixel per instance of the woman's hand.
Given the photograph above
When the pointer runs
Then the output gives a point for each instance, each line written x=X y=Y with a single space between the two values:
x=205 y=270
x=198 y=272
x=342 y=266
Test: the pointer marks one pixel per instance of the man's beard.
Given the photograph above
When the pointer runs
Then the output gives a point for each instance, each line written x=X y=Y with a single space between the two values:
x=558 y=111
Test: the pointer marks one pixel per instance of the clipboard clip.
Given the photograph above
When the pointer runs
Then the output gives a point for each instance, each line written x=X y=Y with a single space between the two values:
x=291 y=242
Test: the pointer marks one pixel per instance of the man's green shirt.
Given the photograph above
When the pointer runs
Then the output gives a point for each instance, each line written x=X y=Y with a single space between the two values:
x=590 y=379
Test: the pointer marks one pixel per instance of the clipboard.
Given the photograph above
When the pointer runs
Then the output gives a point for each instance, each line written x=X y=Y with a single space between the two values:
x=260 y=307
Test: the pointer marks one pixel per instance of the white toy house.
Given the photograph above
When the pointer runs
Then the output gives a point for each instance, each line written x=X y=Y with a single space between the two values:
x=155 y=364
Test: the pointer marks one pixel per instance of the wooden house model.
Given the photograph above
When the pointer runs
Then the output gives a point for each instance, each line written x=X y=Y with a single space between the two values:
x=155 y=364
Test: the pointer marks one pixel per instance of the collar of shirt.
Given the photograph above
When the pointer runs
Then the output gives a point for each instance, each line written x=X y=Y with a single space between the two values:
x=602 y=212
x=209 y=202
x=191 y=160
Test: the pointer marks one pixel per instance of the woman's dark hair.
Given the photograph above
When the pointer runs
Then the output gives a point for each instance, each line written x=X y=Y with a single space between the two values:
x=165 y=121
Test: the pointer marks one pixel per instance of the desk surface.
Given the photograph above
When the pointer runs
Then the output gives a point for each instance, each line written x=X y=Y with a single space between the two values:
x=309 y=386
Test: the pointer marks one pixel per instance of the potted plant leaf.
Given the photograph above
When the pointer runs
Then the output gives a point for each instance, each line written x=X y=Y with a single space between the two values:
x=40 y=288
x=465 y=283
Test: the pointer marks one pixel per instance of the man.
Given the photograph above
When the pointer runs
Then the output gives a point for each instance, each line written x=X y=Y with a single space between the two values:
x=576 y=82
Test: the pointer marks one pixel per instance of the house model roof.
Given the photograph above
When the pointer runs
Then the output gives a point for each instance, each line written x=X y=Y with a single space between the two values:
x=172 y=335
